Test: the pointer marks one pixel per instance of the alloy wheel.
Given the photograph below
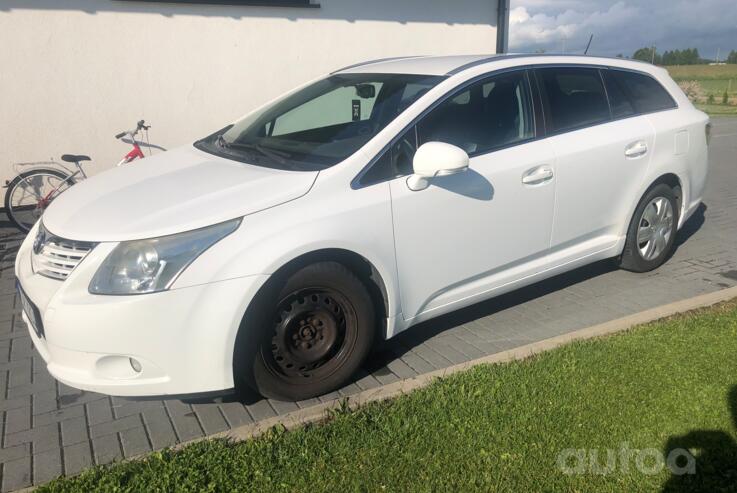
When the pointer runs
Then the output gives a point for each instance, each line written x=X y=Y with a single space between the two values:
x=655 y=228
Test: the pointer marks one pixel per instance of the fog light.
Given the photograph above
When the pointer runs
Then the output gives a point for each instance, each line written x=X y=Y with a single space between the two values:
x=135 y=365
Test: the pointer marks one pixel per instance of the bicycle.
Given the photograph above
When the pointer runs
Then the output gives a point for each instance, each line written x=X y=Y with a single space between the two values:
x=30 y=192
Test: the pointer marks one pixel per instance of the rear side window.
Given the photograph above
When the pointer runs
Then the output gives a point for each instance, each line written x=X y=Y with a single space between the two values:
x=618 y=100
x=574 y=97
x=645 y=93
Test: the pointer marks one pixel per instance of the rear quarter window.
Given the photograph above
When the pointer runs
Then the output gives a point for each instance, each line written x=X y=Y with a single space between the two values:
x=645 y=93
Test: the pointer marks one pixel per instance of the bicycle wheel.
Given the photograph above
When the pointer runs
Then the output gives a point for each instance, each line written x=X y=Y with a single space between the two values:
x=31 y=192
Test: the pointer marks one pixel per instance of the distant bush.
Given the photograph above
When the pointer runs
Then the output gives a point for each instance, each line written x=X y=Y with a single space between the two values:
x=693 y=90
x=710 y=99
x=725 y=97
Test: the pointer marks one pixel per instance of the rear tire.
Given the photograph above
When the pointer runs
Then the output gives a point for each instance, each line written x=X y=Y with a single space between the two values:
x=314 y=333
x=24 y=216
x=652 y=231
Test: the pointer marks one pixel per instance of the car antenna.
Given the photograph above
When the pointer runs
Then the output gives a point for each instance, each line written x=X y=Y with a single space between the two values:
x=588 y=45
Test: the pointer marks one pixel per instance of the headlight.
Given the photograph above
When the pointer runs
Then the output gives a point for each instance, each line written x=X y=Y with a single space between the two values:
x=148 y=266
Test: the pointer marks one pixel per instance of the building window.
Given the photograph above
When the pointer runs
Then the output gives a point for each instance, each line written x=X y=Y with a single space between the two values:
x=253 y=3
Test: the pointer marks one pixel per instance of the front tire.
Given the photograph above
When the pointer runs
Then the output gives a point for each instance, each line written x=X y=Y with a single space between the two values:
x=314 y=334
x=652 y=231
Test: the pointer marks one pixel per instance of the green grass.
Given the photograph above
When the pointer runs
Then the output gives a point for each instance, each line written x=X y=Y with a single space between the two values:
x=714 y=80
x=718 y=109
x=703 y=72
x=495 y=428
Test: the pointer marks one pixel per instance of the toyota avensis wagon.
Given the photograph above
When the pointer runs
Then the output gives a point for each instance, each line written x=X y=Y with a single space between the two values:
x=275 y=251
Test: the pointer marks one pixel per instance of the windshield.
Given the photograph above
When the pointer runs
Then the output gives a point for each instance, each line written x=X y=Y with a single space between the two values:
x=321 y=124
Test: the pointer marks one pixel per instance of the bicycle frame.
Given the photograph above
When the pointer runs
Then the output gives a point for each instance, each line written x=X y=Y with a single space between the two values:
x=135 y=153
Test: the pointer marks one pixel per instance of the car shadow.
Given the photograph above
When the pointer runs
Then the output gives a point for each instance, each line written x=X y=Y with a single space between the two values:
x=404 y=342
x=470 y=184
x=10 y=240
x=715 y=454
x=692 y=226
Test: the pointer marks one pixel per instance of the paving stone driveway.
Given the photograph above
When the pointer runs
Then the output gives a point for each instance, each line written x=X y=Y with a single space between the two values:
x=50 y=429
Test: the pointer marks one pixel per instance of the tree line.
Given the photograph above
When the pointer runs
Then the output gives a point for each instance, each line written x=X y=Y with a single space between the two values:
x=689 y=56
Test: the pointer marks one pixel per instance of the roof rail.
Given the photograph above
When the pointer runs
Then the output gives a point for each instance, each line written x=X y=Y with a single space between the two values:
x=474 y=63
x=505 y=56
x=370 y=62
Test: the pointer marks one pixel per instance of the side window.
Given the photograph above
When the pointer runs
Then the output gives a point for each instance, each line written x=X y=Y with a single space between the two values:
x=396 y=161
x=646 y=94
x=618 y=100
x=574 y=97
x=489 y=114
x=339 y=106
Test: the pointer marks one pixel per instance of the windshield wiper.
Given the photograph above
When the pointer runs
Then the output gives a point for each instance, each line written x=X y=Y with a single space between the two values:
x=277 y=156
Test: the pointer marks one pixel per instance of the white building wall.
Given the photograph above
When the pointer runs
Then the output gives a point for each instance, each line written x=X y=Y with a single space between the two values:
x=73 y=73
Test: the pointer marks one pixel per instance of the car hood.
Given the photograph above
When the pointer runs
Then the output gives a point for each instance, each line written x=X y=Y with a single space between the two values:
x=171 y=192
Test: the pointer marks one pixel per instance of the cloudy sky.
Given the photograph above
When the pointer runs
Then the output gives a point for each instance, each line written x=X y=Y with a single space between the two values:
x=622 y=26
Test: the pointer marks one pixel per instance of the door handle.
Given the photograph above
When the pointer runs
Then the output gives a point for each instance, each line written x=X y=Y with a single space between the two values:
x=538 y=175
x=635 y=150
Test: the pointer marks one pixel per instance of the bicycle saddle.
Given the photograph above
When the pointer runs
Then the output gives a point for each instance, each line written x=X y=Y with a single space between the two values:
x=75 y=158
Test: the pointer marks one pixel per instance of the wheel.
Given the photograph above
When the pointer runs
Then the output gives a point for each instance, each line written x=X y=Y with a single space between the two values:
x=652 y=231
x=30 y=193
x=314 y=334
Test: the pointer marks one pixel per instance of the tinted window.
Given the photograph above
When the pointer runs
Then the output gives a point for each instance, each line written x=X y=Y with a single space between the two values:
x=618 y=99
x=397 y=161
x=646 y=93
x=574 y=97
x=490 y=114
x=321 y=124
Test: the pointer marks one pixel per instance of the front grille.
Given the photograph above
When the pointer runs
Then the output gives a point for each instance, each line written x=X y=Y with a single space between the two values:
x=57 y=257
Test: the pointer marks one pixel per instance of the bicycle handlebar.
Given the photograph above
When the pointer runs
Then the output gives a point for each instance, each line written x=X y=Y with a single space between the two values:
x=141 y=125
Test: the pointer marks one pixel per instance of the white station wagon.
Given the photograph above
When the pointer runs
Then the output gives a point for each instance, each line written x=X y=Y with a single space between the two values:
x=274 y=252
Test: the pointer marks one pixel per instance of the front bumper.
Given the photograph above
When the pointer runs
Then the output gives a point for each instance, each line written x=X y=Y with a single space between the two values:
x=183 y=339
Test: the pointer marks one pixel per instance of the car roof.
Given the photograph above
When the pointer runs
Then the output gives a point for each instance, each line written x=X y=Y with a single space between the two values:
x=453 y=64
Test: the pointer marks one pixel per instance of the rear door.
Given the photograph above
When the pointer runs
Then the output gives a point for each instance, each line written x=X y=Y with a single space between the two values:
x=602 y=155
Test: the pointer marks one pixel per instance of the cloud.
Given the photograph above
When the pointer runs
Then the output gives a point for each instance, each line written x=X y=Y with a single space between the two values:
x=623 y=26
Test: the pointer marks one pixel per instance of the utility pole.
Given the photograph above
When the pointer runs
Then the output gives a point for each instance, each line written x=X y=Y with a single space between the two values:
x=653 y=60
x=717 y=60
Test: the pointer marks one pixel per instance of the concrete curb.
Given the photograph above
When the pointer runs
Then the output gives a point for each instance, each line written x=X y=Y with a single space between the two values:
x=320 y=412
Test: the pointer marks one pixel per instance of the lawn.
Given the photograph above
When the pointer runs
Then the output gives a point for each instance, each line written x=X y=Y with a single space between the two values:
x=713 y=80
x=510 y=427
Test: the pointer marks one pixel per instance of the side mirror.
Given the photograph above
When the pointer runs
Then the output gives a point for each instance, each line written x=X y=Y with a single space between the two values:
x=436 y=159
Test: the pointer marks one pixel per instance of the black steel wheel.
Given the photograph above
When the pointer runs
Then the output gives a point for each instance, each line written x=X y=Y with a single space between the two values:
x=321 y=328
x=311 y=333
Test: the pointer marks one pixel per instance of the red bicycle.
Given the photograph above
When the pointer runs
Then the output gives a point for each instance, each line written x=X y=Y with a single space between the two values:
x=31 y=191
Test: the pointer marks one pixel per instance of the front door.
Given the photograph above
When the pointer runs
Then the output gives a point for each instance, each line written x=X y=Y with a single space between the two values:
x=469 y=233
